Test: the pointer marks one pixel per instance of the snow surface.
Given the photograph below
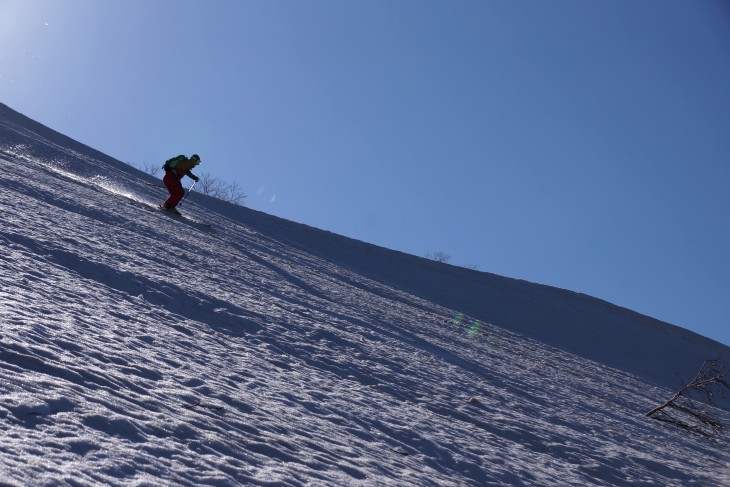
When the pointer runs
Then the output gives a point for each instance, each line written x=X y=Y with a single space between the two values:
x=141 y=349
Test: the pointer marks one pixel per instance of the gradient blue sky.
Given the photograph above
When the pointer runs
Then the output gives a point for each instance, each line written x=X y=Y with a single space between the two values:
x=581 y=144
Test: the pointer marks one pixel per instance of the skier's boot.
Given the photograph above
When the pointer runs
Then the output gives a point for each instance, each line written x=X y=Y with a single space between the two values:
x=170 y=210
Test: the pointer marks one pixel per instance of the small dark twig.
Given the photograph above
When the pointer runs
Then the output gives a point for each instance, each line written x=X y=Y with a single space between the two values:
x=400 y=451
x=199 y=404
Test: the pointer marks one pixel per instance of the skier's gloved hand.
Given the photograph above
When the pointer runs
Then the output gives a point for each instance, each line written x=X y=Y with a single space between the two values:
x=195 y=178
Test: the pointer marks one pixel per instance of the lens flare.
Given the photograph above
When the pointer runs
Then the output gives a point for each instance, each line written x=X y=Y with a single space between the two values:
x=483 y=332
x=458 y=319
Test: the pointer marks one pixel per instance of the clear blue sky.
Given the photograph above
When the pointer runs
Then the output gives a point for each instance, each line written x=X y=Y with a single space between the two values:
x=581 y=144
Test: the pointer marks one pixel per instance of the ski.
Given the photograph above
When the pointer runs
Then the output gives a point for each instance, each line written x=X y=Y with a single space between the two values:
x=161 y=209
x=184 y=218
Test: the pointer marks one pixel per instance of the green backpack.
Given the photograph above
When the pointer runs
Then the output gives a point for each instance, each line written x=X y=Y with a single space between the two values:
x=172 y=163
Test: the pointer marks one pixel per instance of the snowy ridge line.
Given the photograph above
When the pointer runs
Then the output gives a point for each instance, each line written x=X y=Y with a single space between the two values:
x=21 y=127
x=58 y=167
x=97 y=180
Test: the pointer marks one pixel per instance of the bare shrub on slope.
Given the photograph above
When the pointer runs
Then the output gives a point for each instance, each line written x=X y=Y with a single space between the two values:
x=689 y=408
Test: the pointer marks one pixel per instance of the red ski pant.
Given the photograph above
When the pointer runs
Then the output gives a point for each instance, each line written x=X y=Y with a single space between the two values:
x=174 y=186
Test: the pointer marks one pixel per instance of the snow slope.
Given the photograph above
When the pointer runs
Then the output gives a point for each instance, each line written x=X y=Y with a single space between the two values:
x=140 y=349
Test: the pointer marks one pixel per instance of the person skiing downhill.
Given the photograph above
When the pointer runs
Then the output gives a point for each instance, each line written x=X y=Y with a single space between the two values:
x=175 y=169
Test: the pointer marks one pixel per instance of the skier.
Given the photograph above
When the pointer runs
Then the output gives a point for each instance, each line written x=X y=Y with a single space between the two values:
x=175 y=169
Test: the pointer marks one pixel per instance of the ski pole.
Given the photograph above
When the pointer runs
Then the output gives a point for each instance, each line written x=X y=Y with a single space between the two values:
x=186 y=194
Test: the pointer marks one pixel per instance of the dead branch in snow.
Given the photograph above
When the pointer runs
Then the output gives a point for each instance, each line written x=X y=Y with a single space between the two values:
x=689 y=408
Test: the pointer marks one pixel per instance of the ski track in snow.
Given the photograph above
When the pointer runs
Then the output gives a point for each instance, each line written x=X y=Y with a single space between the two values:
x=136 y=349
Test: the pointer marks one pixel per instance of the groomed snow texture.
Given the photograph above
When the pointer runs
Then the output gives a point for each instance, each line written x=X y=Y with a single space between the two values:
x=140 y=349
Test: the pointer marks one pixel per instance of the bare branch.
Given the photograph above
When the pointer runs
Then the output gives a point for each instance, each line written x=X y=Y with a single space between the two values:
x=227 y=191
x=152 y=169
x=682 y=408
x=438 y=256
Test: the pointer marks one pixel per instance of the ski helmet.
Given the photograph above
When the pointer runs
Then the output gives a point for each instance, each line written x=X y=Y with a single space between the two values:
x=195 y=158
